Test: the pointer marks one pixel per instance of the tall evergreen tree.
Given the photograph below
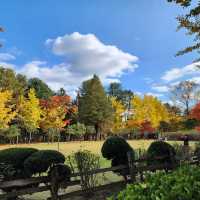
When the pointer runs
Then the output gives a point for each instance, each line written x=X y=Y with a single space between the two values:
x=93 y=105
x=42 y=89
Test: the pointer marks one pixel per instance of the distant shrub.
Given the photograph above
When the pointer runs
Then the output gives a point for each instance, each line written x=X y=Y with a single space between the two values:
x=42 y=160
x=16 y=157
x=161 y=152
x=181 y=184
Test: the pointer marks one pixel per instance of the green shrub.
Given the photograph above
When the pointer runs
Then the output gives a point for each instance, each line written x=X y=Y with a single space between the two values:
x=60 y=172
x=197 y=151
x=42 y=160
x=16 y=157
x=6 y=172
x=116 y=148
x=182 y=184
x=84 y=161
x=161 y=152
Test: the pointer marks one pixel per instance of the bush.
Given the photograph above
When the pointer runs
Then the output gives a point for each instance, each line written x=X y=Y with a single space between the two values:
x=42 y=160
x=60 y=172
x=115 y=148
x=84 y=161
x=6 y=172
x=182 y=184
x=161 y=152
x=197 y=151
x=16 y=157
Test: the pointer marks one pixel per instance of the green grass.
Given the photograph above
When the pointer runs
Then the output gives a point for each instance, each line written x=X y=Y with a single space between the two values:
x=94 y=146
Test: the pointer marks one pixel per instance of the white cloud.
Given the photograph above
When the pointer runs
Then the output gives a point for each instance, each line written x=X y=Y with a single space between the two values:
x=87 y=55
x=83 y=56
x=154 y=94
x=176 y=73
x=160 y=88
x=7 y=65
x=6 y=57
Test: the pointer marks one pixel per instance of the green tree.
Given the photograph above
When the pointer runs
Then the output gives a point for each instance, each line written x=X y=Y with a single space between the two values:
x=76 y=129
x=93 y=105
x=42 y=90
x=9 y=80
x=190 y=21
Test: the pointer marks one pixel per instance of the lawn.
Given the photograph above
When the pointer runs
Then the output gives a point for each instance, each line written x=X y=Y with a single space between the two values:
x=68 y=147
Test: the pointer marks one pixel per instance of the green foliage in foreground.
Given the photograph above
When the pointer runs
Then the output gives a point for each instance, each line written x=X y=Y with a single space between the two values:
x=182 y=184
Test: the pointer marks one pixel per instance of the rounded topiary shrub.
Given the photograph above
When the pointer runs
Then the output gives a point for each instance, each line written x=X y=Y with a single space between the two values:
x=16 y=157
x=116 y=148
x=161 y=152
x=60 y=172
x=40 y=161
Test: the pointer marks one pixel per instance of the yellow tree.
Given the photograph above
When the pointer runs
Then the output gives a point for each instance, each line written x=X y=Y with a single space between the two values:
x=150 y=109
x=30 y=112
x=6 y=109
x=119 y=109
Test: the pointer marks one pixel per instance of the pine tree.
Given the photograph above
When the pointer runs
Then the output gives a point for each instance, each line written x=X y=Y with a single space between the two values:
x=93 y=105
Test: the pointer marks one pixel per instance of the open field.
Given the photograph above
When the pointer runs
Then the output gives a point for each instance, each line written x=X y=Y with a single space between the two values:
x=68 y=147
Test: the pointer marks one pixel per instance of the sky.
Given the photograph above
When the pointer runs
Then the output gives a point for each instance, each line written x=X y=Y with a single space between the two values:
x=65 y=42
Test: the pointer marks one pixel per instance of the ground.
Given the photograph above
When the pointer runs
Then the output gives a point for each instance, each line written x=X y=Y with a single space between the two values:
x=68 y=147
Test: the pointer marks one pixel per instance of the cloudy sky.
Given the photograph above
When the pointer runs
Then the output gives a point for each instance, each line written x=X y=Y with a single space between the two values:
x=66 y=42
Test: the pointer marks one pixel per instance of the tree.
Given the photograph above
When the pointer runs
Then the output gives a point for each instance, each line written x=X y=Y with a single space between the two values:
x=149 y=109
x=54 y=114
x=7 y=112
x=125 y=96
x=119 y=109
x=12 y=132
x=9 y=80
x=29 y=112
x=94 y=106
x=42 y=89
x=190 y=21
x=76 y=129
x=61 y=92
x=184 y=93
x=195 y=112
x=115 y=89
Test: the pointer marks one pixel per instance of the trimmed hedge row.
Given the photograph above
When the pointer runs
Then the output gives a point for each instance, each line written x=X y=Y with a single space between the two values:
x=29 y=161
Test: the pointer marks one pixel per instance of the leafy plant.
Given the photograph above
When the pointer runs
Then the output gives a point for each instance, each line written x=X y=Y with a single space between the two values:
x=182 y=184
x=84 y=161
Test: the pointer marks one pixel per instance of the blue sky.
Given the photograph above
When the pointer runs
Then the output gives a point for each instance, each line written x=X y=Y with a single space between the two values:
x=65 y=42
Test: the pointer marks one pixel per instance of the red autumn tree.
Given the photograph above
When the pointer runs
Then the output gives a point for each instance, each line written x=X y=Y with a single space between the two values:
x=195 y=112
x=146 y=126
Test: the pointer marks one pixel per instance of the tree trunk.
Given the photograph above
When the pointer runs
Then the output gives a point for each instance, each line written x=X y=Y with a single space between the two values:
x=30 y=137
x=98 y=132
